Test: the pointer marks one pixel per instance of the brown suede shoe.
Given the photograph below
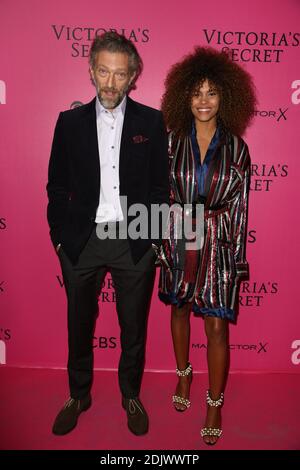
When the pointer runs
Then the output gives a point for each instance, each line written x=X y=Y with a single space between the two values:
x=137 y=418
x=66 y=419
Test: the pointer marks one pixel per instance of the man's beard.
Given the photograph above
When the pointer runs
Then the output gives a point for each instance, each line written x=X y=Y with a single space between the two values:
x=114 y=101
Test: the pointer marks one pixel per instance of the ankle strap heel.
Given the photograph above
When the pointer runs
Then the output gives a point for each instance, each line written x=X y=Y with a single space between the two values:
x=212 y=402
x=214 y=432
x=186 y=371
x=184 y=403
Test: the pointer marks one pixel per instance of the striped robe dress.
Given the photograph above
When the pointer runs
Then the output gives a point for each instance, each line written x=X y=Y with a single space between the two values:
x=209 y=278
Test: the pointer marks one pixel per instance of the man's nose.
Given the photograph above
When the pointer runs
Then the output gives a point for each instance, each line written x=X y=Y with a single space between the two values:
x=111 y=80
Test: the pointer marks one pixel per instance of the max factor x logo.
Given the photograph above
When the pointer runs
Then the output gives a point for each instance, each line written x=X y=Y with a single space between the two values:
x=280 y=114
x=260 y=347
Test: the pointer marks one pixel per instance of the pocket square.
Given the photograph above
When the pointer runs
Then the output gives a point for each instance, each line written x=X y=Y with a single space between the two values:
x=139 y=139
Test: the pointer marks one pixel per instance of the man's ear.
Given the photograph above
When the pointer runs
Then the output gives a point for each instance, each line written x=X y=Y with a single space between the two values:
x=132 y=78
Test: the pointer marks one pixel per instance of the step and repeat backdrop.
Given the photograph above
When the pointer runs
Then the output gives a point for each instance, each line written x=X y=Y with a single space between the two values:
x=44 y=70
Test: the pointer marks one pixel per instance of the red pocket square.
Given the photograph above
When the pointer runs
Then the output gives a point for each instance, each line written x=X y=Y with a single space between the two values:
x=139 y=139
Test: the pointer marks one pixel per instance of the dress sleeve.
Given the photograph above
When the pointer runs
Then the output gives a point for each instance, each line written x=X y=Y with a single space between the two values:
x=239 y=214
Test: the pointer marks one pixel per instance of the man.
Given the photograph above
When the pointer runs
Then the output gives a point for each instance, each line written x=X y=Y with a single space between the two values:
x=103 y=151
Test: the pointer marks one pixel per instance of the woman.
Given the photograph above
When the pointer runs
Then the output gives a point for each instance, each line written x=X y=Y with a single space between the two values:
x=208 y=103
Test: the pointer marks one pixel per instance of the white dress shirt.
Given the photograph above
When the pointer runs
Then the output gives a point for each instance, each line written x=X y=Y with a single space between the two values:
x=109 y=131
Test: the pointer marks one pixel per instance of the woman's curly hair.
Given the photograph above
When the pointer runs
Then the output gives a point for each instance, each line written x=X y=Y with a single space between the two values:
x=233 y=83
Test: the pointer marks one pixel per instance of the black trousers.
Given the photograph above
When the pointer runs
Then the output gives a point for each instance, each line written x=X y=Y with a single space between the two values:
x=133 y=286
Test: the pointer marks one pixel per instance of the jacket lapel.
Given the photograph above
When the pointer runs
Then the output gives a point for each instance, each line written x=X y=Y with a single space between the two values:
x=89 y=131
x=218 y=174
x=131 y=127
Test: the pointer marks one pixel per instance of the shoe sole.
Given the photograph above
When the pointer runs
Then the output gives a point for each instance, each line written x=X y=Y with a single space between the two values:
x=138 y=433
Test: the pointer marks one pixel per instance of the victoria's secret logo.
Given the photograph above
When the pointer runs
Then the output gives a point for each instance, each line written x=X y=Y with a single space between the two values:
x=251 y=236
x=107 y=294
x=5 y=335
x=2 y=227
x=80 y=37
x=252 y=46
x=263 y=175
x=2 y=223
x=252 y=294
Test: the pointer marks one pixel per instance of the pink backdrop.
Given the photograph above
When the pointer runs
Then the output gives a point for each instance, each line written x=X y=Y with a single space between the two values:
x=44 y=70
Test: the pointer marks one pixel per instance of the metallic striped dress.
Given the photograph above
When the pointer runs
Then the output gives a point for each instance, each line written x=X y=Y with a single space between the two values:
x=208 y=278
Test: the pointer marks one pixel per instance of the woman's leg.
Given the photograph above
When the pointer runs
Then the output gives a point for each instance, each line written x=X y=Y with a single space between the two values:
x=180 y=327
x=216 y=330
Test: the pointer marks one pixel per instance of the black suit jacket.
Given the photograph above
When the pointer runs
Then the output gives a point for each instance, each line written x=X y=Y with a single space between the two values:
x=74 y=172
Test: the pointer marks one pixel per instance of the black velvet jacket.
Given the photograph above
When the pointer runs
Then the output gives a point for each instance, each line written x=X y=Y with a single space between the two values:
x=74 y=173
